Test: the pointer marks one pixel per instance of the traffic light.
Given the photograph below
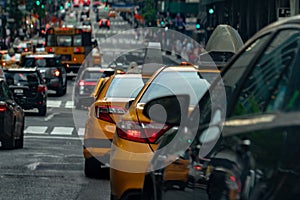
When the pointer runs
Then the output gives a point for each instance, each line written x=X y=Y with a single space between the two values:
x=61 y=7
x=38 y=2
x=43 y=6
x=198 y=25
x=211 y=11
x=162 y=23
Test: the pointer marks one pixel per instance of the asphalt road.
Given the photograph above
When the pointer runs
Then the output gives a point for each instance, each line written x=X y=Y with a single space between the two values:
x=51 y=164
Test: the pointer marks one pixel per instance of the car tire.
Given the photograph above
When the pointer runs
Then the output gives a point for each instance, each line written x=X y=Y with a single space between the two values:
x=10 y=142
x=65 y=88
x=93 y=169
x=43 y=110
x=20 y=141
x=60 y=91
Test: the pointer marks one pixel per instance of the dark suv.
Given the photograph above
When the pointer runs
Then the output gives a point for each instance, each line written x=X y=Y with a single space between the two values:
x=11 y=119
x=51 y=68
x=28 y=88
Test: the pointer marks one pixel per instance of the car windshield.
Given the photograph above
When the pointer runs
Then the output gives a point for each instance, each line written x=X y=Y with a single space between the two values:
x=125 y=87
x=3 y=95
x=95 y=75
x=40 y=62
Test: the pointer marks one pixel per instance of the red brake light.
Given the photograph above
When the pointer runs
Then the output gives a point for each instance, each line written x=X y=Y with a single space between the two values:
x=232 y=178
x=76 y=50
x=81 y=83
x=75 y=59
x=42 y=88
x=85 y=83
x=3 y=107
x=197 y=167
x=56 y=72
x=51 y=50
x=150 y=132
x=100 y=23
x=104 y=112
x=26 y=49
x=108 y=22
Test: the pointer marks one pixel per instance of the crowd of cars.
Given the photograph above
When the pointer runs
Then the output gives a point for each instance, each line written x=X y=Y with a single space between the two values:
x=26 y=77
x=233 y=136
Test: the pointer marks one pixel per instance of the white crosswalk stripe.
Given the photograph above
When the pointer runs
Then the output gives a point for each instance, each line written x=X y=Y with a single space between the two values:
x=69 y=104
x=81 y=131
x=62 y=131
x=60 y=104
x=53 y=103
x=36 y=129
x=55 y=131
x=120 y=23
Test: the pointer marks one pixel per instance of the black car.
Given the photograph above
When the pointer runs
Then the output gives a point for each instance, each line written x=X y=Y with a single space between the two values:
x=51 y=68
x=28 y=88
x=11 y=119
x=244 y=131
x=104 y=23
x=86 y=81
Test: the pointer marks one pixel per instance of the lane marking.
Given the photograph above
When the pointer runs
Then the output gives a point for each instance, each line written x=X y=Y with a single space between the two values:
x=62 y=131
x=69 y=104
x=33 y=166
x=53 y=103
x=49 y=117
x=80 y=132
x=51 y=137
x=36 y=129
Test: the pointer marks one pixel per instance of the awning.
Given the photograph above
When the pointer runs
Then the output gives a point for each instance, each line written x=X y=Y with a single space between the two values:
x=205 y=2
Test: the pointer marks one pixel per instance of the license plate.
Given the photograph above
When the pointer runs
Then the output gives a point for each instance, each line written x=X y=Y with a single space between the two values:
x=18 y=91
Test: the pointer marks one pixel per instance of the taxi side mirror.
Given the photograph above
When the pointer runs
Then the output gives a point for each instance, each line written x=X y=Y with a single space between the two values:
x=171 y=110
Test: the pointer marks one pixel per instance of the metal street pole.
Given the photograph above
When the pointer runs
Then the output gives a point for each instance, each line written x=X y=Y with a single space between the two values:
x=294 y=5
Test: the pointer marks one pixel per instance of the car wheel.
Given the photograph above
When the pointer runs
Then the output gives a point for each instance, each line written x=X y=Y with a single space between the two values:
x=43 y=110
x=93 y=169
x=65 y=87
x=20 y=141
x=60 y=91
x=10 y=143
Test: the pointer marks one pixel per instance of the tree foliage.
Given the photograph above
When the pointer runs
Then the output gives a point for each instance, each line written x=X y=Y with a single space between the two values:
x=149 y=11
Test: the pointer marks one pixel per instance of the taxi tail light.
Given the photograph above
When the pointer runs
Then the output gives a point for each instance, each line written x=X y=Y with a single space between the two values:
x=104 y=112
x=3 y=107
x=108 y=23
x=77 y=50
x=56 y=73
x=42 y=88
x=51 y=50
x=148 y=132
x=100 y=23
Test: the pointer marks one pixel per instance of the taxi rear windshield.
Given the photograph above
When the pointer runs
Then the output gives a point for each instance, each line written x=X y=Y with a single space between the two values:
x=40 y=62
x=125 y=87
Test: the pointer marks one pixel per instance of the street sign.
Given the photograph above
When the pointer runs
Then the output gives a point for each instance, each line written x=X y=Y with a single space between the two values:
x=283 y=12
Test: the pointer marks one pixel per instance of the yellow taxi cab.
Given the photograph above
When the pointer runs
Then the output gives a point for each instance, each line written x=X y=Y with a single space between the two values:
x=109 y=105
x=137 y=137
x=9 y=58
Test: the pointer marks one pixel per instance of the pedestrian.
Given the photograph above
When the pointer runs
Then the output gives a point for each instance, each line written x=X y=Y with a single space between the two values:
x=178 y=49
